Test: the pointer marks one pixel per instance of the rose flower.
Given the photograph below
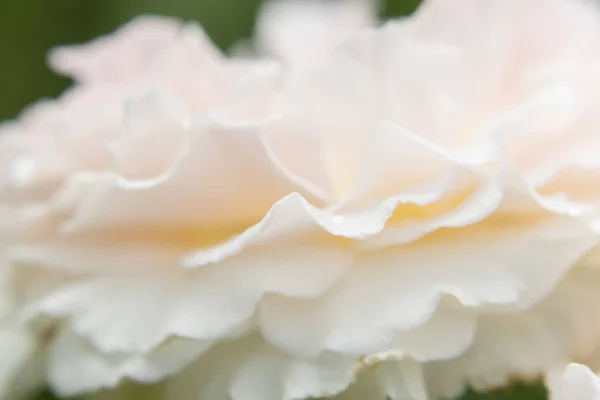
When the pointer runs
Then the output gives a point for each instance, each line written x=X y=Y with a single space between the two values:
x=407 y=211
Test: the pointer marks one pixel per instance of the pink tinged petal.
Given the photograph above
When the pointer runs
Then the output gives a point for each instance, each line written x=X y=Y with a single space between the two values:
x=156 y=122
x=75 y=367
x=125 y=53
x=31 y=166
x=552 y=119
x=205 y=184
x=195 y=70
x=254 y=96
x=302 y=33
x=536 y=51
x=346 y=102
x=339 y=104
x=566 y=21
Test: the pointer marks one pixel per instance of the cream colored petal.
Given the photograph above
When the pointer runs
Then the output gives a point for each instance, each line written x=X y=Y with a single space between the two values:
x=528 y=343
x=135 y=309
x=250 y=369
x=339 y=105
x=399 y=289
x=297 y=149
x=576 y=382
x=74 y=366
x=387 y=376
x=219 y=167
x=284 y=321
x=399 y=162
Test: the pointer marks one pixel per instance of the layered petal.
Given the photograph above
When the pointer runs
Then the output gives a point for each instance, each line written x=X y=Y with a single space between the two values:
x=576 y=382
x=510 y=346
x=388 y=200
x=303 y=32
x=74 y=366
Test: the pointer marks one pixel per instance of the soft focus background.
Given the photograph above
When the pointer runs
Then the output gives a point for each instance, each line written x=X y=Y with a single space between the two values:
x=28 y=28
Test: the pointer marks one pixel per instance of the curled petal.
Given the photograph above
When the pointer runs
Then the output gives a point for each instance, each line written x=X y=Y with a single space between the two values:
x=302 y=33
x=525 y=344
x=76 y=367
x=250 y=369
x=129 y=51
x=576 y=382
x=138 y=310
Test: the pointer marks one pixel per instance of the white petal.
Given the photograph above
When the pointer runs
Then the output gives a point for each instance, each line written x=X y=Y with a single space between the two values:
x=138 y=309
x=399 y=162
x=387 y=378
x=300 y=328
x=74 y=366
x=398 y=289
x=303 y=32
x=191 y=193
x=528 y=343
x=250 y=369
x=577 y=382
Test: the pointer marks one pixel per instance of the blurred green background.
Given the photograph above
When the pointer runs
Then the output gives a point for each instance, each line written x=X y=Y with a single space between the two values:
x=28 y=28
